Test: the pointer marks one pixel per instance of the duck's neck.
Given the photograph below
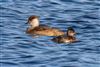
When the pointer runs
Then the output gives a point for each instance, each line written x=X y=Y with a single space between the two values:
x=68 y=35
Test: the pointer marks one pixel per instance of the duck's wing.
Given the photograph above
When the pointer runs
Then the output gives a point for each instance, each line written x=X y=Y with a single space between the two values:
x=42 y=28
x=48 y=31
x=45 y=30
x=58 y=39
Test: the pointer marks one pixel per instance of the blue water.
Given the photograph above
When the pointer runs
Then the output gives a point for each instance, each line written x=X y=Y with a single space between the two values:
x=19 y=49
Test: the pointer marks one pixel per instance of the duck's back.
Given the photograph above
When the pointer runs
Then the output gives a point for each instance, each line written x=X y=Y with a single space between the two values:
x=45 y=30
x=59 y=39
x=64 y=39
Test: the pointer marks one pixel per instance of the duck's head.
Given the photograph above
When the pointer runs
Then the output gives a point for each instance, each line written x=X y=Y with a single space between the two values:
x=71 y=31
x=33 y=21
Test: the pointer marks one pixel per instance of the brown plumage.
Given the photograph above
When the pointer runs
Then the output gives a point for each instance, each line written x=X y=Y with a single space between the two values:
x=62 y=39
x=68 y=38
x=41 y=30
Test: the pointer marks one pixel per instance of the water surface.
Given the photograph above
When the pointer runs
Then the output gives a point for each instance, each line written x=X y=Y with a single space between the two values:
x=18 y=49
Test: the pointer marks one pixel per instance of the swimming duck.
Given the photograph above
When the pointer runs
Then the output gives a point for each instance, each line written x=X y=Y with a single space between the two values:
x=36 y=28
x=67 y=38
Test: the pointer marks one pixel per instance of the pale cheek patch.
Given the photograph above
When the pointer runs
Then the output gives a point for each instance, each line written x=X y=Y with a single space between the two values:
x=67 y=41
x=34 y=23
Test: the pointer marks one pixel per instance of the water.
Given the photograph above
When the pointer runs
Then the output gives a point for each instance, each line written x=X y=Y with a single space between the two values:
x=18 y=49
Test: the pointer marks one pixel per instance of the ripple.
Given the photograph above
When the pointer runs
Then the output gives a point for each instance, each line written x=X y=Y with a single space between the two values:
x=9 y=63
x=19 y=49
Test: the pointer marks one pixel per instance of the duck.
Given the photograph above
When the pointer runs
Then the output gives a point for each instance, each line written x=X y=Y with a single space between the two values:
x=69 y=37
x=35 y=28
